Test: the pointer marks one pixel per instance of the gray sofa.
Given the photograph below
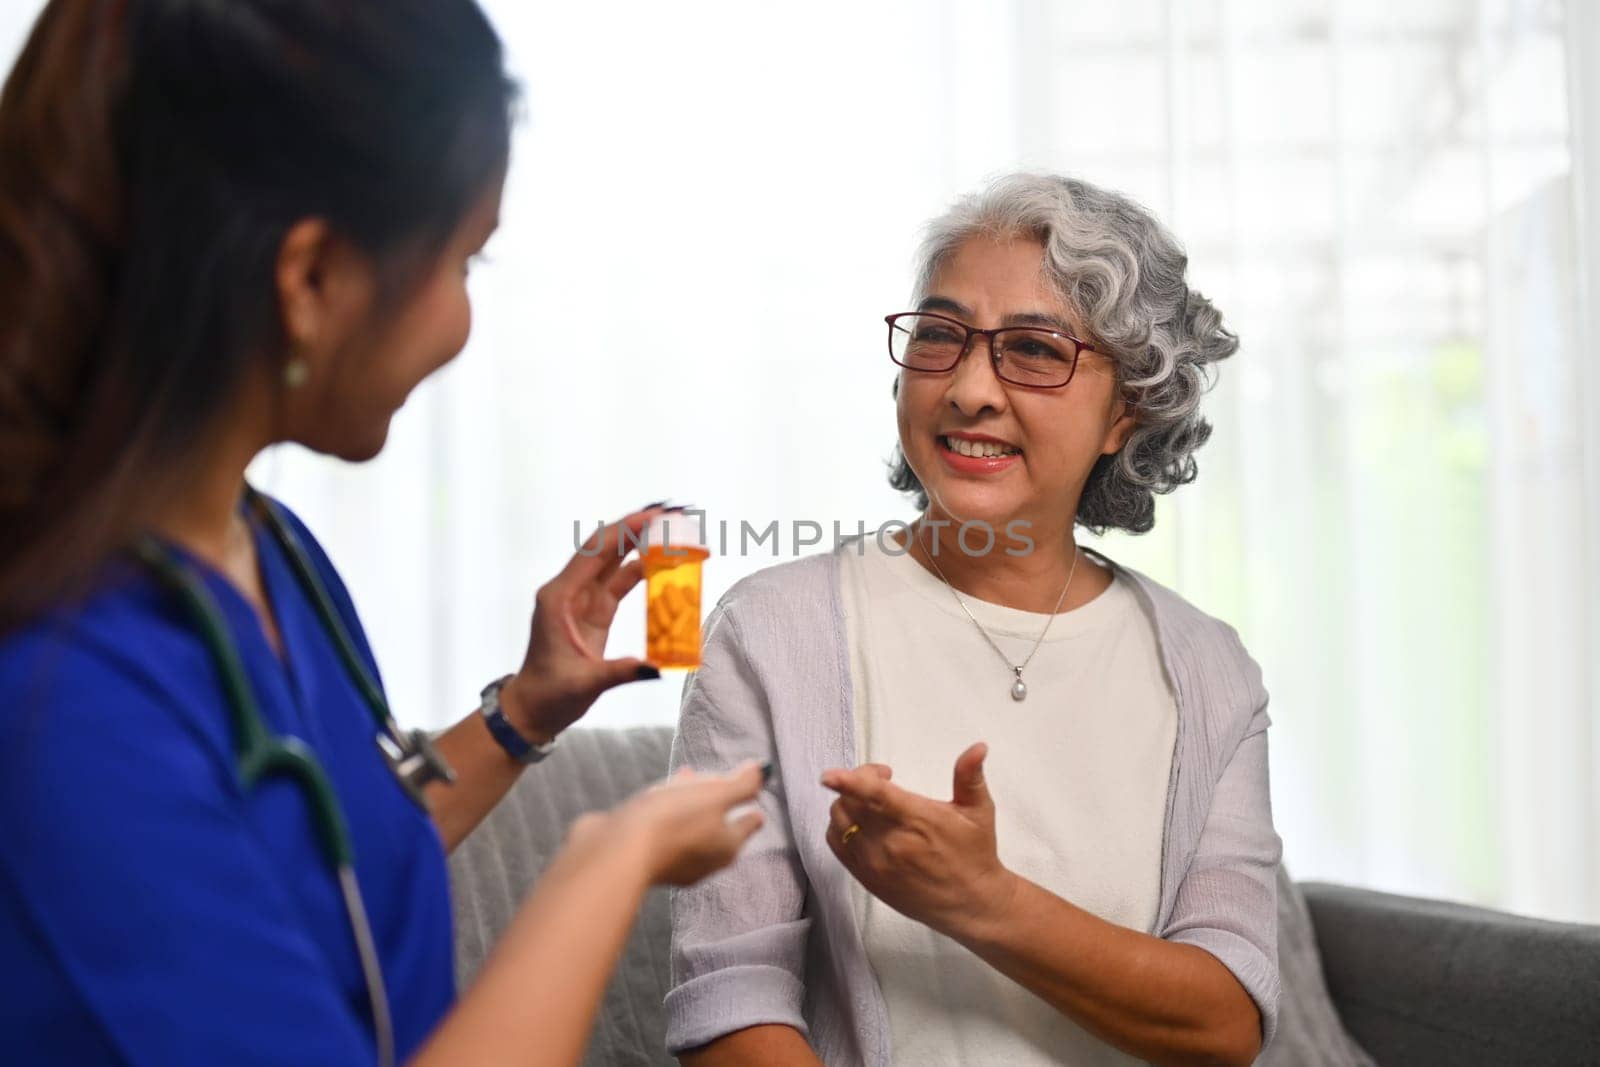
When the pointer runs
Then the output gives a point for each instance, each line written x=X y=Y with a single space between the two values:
x=1397 y=979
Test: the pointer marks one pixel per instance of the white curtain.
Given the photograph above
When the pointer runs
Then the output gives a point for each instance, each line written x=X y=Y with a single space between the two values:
x=712 y=205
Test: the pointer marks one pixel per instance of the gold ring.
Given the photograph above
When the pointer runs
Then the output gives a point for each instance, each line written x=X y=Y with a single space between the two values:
x=852 y=830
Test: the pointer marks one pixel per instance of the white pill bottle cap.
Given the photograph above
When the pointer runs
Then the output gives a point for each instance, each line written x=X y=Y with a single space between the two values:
x=680 y=529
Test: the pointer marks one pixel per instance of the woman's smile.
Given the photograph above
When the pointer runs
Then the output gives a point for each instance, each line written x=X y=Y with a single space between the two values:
x=976 y=453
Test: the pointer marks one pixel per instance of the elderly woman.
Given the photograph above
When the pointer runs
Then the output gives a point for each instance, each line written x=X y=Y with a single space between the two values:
x=1099 y=886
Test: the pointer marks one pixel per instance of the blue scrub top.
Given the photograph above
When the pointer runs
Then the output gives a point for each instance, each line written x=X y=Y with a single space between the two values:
x=152 y=911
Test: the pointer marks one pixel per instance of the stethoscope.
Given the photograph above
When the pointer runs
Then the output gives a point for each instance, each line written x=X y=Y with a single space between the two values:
x=260 y=754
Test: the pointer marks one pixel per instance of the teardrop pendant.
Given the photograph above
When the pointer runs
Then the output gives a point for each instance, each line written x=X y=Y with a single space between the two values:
x=1019 y=689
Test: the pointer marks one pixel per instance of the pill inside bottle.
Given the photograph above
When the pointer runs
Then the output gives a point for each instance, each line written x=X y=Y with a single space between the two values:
x=673 y=552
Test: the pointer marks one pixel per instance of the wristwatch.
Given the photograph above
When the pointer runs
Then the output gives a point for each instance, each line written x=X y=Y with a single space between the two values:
x=517 y=747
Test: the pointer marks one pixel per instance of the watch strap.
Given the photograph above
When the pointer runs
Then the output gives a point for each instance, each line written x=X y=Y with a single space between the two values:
x=517 y=747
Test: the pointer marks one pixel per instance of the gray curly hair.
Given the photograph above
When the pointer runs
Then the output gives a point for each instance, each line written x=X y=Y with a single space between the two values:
x=1123 y=273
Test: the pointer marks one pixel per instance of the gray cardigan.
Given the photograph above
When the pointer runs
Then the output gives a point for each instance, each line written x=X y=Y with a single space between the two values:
x=773 y=938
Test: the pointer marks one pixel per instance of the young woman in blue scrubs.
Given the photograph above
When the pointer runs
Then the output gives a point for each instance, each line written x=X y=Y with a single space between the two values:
x=224 y=226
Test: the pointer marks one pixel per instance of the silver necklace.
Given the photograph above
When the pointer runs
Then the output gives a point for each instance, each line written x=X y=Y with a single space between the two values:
x=1019 y=688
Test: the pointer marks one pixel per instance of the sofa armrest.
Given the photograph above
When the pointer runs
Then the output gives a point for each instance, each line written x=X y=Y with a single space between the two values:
x=1426 y=981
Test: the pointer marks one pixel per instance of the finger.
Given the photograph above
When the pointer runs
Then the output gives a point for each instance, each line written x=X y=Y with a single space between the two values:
x=875 y=802
x=603 y=551
x=866 y=788
x=630 y=539
x=838 y=827
x=841 y=817
x=627 y=542
x=742 y=785
x=971 y=790
x=853 y=811
x=882 y=770
x=627 y=576
x=614 y=672
x=839 y=822
x=745 y=826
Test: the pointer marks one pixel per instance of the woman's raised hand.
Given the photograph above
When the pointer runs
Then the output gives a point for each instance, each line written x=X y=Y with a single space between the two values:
x=683 y=828
x=565 y=669
x=932 y=860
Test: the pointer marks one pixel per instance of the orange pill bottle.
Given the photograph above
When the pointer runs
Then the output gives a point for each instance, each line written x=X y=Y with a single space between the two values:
x=673 y=553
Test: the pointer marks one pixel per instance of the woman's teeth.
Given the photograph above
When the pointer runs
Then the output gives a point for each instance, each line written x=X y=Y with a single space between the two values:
x=978 y=449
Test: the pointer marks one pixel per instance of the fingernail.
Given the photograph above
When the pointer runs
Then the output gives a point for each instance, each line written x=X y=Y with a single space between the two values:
x=647 y=673
x=766 y=771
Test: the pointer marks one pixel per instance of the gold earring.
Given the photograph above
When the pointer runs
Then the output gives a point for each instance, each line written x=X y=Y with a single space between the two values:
x=296 y=371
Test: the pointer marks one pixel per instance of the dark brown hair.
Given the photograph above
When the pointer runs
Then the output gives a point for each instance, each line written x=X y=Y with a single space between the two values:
x=153 y=155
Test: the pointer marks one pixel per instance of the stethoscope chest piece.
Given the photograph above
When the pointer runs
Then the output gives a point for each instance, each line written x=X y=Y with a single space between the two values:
x=415 y=761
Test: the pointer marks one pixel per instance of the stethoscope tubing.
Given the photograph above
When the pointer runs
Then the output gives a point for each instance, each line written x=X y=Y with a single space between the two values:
x=261 y=755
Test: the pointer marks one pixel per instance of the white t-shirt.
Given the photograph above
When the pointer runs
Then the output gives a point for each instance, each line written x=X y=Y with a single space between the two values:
x=1078 y=771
